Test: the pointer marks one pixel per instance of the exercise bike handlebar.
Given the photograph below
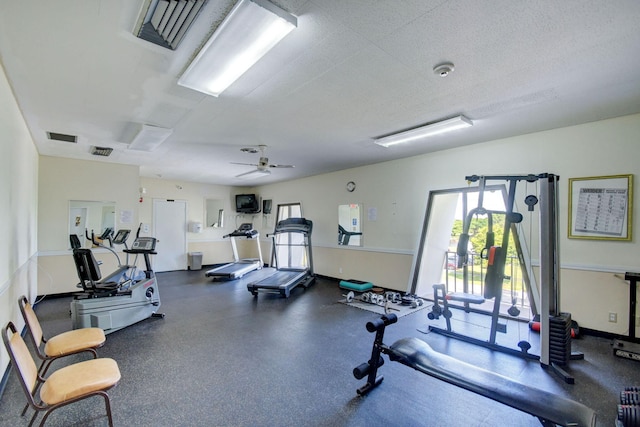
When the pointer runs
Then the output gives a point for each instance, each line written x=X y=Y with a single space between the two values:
x=107 y=236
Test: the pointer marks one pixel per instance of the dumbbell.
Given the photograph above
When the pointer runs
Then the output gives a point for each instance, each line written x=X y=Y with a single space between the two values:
x=350 y=296
x=392 y=296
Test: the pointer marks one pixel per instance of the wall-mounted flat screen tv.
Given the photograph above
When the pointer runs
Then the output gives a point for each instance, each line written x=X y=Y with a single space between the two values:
x=247 y=203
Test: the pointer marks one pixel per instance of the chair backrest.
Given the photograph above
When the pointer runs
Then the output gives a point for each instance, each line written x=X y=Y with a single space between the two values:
x=21 y=359
x=32 y=322
x=87 y=268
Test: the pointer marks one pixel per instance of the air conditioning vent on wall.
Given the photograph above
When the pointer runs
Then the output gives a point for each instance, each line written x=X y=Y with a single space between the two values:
x=165 y=22
x=101 y=151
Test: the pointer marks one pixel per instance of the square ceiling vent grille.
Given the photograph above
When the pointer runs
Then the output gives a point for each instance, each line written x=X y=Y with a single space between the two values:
x=165 y=22
x=101 y=151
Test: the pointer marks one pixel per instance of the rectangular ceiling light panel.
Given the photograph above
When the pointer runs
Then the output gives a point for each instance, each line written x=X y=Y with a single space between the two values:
x=436 y=128
x=149 y=138
x=252 y=28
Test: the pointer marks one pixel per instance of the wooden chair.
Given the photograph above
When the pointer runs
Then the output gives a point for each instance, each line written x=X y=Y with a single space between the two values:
x=65 y=344
x=64 y=386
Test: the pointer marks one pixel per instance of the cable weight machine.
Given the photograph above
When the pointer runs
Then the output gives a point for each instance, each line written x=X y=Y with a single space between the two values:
x=555 y=326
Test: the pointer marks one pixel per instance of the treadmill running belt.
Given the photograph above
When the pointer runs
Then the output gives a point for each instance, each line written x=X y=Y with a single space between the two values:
x=280 y=278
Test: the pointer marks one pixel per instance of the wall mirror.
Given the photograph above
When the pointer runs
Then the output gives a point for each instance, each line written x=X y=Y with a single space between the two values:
x=214 y=213
x=350 y=225
x=90 y=215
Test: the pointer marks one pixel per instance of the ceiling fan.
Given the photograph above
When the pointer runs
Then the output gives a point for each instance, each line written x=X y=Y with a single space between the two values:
x=262 y=167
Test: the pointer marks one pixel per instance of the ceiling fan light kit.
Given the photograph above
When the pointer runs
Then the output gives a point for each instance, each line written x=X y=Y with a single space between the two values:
x=250 y=30
x=256 y=173
x=422 y=132
x=262 y=167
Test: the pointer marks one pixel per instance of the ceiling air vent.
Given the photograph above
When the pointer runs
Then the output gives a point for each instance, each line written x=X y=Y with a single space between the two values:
x=101 y=151
x=165 y=22
x=62 y=137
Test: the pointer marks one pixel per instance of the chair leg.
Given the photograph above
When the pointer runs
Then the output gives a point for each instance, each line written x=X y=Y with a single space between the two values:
x=44 y=367
x=35 y=390
x=35 y=414
x=107 y=404
x=104 y=394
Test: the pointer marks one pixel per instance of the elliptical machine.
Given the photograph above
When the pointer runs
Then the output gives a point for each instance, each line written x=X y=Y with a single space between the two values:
x=122 y=298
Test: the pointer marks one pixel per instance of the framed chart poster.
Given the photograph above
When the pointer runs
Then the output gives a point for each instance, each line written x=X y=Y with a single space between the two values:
x=600 y=207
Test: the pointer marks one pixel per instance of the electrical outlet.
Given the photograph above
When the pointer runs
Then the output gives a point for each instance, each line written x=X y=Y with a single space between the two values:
x=613 y=317
x=340 y=270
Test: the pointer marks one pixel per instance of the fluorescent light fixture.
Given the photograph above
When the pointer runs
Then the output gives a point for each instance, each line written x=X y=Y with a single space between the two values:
x=250 y=30
x=424 y=131
x=256 y=173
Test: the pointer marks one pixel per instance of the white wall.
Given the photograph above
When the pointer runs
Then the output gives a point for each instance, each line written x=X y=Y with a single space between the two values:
x=18 y=212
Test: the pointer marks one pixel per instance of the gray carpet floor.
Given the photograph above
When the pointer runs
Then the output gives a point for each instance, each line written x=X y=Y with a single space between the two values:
x=221 y=357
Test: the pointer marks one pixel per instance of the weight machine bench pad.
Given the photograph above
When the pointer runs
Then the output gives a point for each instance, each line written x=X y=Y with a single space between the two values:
x=462 y=297
x=547 y=406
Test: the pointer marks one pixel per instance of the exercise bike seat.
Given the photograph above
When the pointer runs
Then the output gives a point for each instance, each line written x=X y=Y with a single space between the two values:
x=89 y=272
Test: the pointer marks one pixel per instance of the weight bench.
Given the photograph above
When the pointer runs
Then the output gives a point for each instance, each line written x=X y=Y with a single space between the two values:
x=549 y=408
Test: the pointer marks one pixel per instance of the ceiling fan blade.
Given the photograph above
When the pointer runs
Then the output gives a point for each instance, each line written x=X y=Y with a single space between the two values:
x=281 y=166
x=243 y=164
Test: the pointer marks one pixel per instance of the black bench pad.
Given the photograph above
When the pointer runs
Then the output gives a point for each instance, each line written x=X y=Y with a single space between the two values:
x=546 y=406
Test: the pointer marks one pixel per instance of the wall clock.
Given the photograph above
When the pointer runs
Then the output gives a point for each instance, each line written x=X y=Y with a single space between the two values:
x=351 y=186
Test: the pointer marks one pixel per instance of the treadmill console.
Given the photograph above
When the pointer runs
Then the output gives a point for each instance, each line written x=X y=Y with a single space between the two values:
x=121 y=236
x=245 y=230
x=144 y=244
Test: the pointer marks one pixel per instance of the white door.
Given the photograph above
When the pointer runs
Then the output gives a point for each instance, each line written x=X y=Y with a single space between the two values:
x=170 y=230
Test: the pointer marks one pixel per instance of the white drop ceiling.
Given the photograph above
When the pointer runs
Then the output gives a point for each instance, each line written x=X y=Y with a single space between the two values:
x=353 y=70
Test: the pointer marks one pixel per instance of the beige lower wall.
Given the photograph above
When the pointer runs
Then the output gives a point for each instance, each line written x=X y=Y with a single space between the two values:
x=590 y=296
x=212 y=252
x=387 y=270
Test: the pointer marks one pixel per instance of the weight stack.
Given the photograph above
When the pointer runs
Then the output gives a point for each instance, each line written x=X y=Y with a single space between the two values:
x=630 y=396
x=560 y=339
x=629 y=409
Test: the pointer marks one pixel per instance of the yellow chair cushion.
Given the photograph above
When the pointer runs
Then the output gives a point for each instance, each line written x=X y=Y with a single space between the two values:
x=75 y=340
x=79 y=379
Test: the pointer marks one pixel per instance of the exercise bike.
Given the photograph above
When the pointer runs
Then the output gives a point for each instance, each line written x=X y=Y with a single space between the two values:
x=124 y=297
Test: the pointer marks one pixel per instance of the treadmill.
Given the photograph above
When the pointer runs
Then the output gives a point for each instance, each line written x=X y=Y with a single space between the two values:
x=294 y=236
x=239 y=267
